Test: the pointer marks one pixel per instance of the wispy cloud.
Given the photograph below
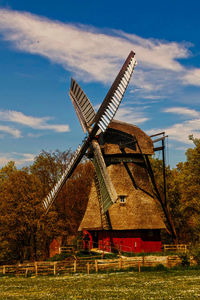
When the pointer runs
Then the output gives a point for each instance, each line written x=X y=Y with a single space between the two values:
x=12 y=131
x=33 y=122
x=20 y=159
x=89 y=52
x=192 y=77
x=131 y=115
x=182 y=111
x=181 y=131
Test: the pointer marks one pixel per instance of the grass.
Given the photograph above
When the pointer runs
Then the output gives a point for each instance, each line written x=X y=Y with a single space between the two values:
x=170 y=284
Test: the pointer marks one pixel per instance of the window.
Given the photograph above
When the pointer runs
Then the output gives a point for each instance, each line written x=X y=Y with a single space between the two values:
x=122 y=199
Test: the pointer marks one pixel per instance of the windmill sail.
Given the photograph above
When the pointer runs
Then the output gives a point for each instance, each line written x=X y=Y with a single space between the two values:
x=114 y=96
x=109 y=194
x=82 y=106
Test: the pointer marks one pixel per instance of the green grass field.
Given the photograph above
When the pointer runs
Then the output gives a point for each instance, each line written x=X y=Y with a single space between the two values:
x=172 y=284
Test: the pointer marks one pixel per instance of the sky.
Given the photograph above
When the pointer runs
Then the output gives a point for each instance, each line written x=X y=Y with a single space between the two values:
x=45 y=43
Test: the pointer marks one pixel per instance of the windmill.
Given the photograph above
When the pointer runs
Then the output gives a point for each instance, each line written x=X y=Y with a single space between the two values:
x=102 y=131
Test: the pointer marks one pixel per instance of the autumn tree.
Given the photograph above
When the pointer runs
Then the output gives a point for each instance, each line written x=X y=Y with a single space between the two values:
x=7 y=170
x=189 y=181
x=66 y=213
x=183 y=193
x=20 y=210
x=173 y=193
x=49 y=166
x=74 y=196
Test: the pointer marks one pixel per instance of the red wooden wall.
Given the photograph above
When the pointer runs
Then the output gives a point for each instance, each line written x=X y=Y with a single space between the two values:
x=128 y=240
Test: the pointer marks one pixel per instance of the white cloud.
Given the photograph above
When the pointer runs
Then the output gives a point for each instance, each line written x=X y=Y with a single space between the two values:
x=19 y=158
x=130 y=115
x=181 y=131
x=192 y=77
x=33 y=122
x=12 y=131
x=182 y=111
x=94 y=55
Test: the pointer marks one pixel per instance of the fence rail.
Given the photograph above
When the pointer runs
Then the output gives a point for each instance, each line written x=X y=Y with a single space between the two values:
x=89 y=264
x=177 y=248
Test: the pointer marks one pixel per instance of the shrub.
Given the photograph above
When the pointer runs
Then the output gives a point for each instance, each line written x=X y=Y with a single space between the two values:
x=60 y=257
x=196 y=254
x=160 y=267
x=185 y=259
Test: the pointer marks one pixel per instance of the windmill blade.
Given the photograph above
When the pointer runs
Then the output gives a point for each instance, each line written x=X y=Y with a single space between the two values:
x=108 y=192
x=76 y=158
x=104 y=216
x=114 y=96
x=82 y=106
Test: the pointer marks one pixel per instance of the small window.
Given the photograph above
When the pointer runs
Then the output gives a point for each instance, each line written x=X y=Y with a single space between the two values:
x=122 y=199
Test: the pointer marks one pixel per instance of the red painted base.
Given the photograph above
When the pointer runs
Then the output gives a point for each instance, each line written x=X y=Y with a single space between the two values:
x=126 y=240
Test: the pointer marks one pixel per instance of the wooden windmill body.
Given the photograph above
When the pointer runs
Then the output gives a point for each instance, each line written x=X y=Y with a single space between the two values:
x=122 y=209
x=133 y=223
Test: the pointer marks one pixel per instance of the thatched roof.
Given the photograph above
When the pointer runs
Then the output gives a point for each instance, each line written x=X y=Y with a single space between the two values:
x=141 y=210
x=124 y=134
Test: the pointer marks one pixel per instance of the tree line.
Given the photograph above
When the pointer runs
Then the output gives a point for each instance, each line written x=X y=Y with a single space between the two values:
x=26 y=232
x=183 y=194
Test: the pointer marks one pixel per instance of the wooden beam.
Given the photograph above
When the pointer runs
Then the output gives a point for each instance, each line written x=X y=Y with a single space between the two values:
x=157 y=149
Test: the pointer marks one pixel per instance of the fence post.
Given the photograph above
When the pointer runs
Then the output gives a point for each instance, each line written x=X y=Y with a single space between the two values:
x=54 y=268
x=26 y=272
x=168 y=262
x=96 y=266
x=75 y=263
x=143 y=260
x=139 y=267
x=36 y=269
x=4 y=270
x=88 y=268
x=120 y=263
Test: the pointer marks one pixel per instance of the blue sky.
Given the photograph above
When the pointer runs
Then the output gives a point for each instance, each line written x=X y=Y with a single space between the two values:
x=44 y=43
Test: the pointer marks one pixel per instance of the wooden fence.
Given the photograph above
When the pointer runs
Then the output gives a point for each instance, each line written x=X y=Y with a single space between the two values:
x=88 y=264
x=176 y=248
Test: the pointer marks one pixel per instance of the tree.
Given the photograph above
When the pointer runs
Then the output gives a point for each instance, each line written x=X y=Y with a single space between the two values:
x=172 y=193
x=49 y=166
x=20 y=207
x=66 y=213
x=7 y=170
x=183 y=193
x=189 y=181
x=73 y=198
